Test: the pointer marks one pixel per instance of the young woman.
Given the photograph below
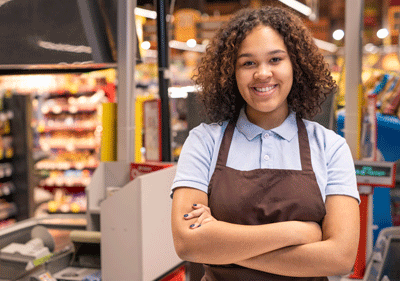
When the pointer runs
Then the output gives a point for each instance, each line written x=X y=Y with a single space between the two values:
x=262 y=194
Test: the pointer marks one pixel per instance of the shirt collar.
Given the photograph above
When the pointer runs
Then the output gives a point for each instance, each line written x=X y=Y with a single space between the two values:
x=287 y=130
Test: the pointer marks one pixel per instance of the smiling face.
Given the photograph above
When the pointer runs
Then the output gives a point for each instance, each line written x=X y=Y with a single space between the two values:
x=264 y=76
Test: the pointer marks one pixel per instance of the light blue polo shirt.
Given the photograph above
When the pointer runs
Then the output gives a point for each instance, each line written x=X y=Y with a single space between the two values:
x=253 y=148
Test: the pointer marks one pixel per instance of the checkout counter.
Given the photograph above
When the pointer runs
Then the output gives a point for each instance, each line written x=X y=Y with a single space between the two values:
x=379 y=262
x=38 y=247
x=384 y=263
x=127 y=224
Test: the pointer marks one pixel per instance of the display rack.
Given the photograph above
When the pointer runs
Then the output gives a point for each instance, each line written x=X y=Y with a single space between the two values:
x=15 y=158
x=8 y=207
x=68 y=129
x=67 y=133
x=57 y=118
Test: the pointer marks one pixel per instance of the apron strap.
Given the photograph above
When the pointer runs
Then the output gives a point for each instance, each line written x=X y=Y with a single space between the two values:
x=226 y=143
x=304 y=145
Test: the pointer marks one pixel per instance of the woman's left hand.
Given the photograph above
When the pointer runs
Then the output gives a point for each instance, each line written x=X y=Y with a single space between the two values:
x=202 y=213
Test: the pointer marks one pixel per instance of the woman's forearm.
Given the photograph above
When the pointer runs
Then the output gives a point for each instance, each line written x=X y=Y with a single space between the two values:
x=223 y=243
x=316 y=259
x=335 y=255
x=218 y=242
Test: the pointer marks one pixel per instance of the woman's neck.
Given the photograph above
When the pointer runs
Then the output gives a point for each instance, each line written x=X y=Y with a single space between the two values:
x=267 y=120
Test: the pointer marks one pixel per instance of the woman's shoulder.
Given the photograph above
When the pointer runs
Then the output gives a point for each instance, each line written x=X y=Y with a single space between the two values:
x=325 y=138
x=202 y=143
x=210 y=131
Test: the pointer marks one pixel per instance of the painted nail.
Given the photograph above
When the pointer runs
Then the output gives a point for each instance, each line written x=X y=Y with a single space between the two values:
x=199 y=225
x=192 y=225
x=194 y=204
x=185 y=215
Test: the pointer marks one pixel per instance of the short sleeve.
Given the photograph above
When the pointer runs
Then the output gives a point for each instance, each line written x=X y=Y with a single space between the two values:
x=341 y=171
x=193 y=168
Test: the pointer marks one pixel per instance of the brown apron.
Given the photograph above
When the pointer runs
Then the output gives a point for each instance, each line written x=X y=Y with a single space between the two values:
x=262 y=196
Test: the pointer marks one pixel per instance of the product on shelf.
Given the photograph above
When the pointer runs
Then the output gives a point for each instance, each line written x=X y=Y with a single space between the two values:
x=67 y=203
x=7 y=209
x=6 y=188
x=6 y=148
x=385 y=88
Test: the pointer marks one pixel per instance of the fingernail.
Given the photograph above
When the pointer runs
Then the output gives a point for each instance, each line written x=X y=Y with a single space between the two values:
x=199 y=225
x=192 y=225
x=185 y=215
x=194 y=204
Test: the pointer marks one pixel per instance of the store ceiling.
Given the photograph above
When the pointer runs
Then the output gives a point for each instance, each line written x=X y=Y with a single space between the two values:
x=34 y=32
x=333 y=11
x=45 y=31
x=326 y=6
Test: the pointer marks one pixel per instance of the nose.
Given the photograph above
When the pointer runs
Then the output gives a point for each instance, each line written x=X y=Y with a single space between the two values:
x=262 y=72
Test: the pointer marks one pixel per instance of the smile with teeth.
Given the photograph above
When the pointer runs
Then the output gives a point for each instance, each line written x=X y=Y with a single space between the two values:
x=266 y=89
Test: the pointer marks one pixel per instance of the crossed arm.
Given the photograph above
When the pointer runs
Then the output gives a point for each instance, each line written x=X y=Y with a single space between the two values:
x=287 y=248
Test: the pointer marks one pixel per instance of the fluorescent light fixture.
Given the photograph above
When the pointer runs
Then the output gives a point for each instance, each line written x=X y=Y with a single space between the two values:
x=338 y=34
x=296 y=5
x=382 y=33
x=183 y=46
x=146 y=13
x=181 y=92
x=177 y=93
x=150 y=14
x=64 y=47
x=145 y=45
x=191 y=43
x=325 y=45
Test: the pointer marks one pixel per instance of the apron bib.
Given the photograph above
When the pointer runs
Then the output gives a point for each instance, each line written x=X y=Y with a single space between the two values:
x=262 y=196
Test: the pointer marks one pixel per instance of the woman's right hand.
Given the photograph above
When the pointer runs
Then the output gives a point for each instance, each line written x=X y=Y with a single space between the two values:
x=202 y=213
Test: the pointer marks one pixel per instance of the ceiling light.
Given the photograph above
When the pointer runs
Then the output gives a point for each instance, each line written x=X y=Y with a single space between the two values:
x=145 y=45
x=183 y=46
x=145 y=13
x=191 y=43
x=338 y=34
x=382 y=33
x=325 y=45
x=296 y=5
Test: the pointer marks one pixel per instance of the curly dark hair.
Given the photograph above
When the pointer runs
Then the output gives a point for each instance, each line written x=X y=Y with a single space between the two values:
x=215 y=74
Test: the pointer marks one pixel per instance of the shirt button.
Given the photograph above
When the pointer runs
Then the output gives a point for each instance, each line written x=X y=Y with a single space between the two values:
x=266 y=157
x=266 y=135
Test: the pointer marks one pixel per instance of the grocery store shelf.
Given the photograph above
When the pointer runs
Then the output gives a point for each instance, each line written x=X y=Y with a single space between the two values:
x=64 y=165
x=70 y=189
x=72 y=147
x=67 y=128
x=58 y=109
x=68 y=94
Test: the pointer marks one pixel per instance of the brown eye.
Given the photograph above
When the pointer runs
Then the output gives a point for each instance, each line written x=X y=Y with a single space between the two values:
x=248 y=63
x=275 y=60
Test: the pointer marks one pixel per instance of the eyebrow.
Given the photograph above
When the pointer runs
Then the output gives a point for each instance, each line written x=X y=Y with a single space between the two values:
x=274 y=52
